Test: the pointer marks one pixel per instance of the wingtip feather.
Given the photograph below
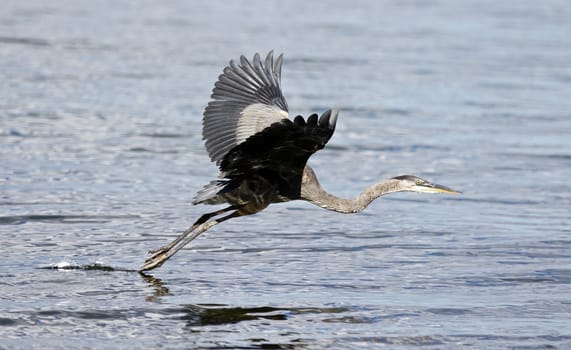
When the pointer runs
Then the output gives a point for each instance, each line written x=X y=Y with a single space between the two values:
x=333 y=118
x=329 y=118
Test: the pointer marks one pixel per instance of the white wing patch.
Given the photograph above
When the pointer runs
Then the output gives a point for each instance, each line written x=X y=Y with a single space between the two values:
x=255 y=118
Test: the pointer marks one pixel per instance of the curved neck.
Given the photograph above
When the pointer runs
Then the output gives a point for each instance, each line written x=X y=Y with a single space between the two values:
x=314 y=193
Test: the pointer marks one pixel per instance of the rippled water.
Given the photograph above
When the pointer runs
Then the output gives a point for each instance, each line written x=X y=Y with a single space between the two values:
x=101 y=152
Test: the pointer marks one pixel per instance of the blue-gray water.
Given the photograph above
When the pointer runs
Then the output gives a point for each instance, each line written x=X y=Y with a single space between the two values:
x=101 y=154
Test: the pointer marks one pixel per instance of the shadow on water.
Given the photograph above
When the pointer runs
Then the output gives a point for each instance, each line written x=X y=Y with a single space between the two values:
x=199 y=316
x=220 y=314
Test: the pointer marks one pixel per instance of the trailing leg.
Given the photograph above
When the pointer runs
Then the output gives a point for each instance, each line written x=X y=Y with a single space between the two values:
x=158 y=257
x=189 y=230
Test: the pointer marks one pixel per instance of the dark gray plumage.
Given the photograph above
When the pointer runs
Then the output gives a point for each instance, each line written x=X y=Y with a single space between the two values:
x=262 y=154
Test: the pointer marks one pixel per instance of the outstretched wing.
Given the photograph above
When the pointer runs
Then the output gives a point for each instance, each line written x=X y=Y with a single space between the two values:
x=279 y=152
x=245 y=100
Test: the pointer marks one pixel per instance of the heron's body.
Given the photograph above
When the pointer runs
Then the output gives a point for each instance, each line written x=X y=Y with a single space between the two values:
x=262 y=154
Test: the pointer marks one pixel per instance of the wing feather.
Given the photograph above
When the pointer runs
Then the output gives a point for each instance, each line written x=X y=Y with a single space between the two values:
x=280 y=152
x=246 y=99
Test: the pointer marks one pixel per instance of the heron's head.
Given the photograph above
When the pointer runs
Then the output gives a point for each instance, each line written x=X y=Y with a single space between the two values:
x=416 y=184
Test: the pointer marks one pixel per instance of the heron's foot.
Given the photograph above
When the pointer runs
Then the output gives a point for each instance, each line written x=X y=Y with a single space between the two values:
x=153 y=262
x=156 y=259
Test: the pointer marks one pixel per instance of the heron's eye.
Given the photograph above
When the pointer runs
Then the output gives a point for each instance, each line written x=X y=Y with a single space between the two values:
x=419 y=182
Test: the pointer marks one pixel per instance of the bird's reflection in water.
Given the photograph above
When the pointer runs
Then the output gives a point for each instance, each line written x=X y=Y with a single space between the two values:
x=160 y=290
x=196 y=316
x=213 y=314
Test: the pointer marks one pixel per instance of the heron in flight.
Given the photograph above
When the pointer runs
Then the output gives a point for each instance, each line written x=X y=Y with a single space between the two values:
x=262 y=154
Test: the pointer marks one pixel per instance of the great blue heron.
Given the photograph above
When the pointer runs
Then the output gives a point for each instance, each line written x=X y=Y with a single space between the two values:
x=262 y=154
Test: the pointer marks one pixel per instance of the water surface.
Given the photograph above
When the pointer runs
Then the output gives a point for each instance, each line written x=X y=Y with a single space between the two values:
x=101 y=152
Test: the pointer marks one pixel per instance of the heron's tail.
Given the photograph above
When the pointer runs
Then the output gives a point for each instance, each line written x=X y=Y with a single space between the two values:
x=210 y=194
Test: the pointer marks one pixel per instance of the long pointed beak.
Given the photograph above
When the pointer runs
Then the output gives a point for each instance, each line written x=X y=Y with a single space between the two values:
x=436 y=188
